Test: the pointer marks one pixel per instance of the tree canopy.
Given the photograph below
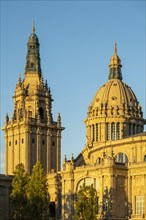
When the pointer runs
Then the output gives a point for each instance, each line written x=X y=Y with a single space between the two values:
x=106 y=206
x=18 y=195
x=37 y=193
x=29 y=195
x=86 y=203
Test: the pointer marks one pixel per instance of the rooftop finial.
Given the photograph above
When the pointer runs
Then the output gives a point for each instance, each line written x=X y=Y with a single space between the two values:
x=115 y=48
x=33 y=27
x=19 y=79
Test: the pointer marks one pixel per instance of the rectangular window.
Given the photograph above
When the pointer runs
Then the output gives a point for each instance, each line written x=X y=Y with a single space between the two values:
x=113 y=131
x=22 y=140
x=107 y=131
x=43 y=142
x=33 y=141
x=96 y=132
x=129 y=129
x=139 y=205
x=120 y=157
x=118 y=131
x=134 y=129
x=16 y=142
x=9 y=143
x=93 y=133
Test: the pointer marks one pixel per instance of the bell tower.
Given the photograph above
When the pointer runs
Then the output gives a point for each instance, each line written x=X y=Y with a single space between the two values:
x=32 y=134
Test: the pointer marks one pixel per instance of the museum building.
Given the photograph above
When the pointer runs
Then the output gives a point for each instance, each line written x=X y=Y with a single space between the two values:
x=113 y=159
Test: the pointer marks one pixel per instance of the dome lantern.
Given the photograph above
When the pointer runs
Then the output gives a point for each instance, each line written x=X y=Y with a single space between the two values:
x=115 y=66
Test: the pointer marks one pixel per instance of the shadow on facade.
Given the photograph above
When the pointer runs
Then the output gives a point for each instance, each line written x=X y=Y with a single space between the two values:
x=68 y=208
x=58 y=199
x=105 y=207
x=110 y=208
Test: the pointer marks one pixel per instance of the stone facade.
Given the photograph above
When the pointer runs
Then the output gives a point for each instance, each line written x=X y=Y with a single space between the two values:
x=114 y=156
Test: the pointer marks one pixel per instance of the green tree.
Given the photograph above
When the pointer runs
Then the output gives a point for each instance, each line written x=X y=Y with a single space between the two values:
x=18 y=195
x=86 y=203
x=106 y=206
x=37 y=193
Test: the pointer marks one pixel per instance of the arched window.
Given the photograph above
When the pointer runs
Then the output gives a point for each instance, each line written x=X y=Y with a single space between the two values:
x=32 y=65
x=41 y=111
x=113 y=131
x=30 y=112
x=121 y=158
x=88 y=181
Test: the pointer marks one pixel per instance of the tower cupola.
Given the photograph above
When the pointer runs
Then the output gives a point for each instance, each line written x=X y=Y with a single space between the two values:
x=33 y=55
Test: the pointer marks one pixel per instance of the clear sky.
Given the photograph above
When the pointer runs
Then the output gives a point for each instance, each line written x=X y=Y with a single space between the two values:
x=76 y=44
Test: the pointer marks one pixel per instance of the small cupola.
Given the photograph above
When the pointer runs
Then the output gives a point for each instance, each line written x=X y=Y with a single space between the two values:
x=115 y=66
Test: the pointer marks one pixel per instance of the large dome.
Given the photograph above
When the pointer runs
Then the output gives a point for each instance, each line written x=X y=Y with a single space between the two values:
x=116 y=96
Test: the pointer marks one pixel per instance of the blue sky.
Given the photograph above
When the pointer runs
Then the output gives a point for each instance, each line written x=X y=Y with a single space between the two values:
x=76 y=44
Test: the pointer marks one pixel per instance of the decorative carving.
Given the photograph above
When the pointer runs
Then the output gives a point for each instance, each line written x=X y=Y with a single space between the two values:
x=6 y=119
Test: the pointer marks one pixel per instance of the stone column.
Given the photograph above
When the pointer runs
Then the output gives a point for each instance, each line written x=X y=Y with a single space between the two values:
x=13 y=151
x=133 y=197
x=129 y=195
x=121 y=130
x=19 y=145
x=112 y=191
x=6 y=152
x=89 y=129
x=48 y=151
x=144 y=194
x=38 y=145
x=116 y=132
x=103 y=131
x=88 y=133
x=27 y=151
x=72 y=193
x=63 y=199
x=99 y=131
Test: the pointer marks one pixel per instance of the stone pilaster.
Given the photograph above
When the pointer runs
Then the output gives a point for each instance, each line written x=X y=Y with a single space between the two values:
x=48 y=151
x=58 y=151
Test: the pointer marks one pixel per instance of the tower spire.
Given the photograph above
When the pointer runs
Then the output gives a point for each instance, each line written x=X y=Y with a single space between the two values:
x=33 y=27
x=115 y=48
